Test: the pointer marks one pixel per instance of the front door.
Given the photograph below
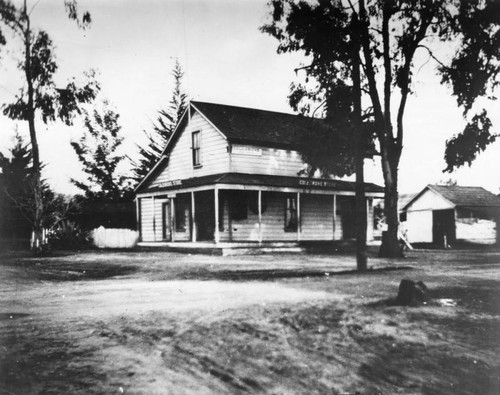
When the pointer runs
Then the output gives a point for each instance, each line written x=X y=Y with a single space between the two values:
x=166 y=221
x=205 y=215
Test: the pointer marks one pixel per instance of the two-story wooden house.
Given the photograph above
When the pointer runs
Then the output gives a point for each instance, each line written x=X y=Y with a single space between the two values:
x=230 y=174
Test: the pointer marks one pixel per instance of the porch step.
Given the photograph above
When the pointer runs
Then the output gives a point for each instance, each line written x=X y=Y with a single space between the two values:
x=225 y=249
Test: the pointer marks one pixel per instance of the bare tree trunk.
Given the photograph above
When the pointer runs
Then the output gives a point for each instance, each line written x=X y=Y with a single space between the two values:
x=390 y=243
x=360 y=204
x=37 y=240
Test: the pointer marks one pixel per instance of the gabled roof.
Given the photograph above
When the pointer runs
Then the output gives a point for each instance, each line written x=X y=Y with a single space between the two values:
x=252 y=126
x=245 y=126
x=459 y=196
x=404 y=198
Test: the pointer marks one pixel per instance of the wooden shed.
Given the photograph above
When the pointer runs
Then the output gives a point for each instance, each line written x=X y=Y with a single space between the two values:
x=447 y=215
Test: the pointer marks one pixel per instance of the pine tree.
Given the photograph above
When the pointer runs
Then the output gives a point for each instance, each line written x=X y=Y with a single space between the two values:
x=14 y=175
x=162 y=129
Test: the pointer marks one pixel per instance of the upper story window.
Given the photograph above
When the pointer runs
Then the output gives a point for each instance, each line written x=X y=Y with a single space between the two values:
x=196 y=144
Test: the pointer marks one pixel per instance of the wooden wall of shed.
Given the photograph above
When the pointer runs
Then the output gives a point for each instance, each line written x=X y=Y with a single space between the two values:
x=214 y=155
x=419 y=226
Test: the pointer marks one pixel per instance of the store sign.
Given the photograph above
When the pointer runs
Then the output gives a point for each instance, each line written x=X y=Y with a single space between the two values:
x=317 y=183
x=172 y=183
x=246 y=150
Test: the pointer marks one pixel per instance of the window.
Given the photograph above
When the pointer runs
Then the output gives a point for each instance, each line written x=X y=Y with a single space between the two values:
x=196 y=137
x=181 y=213
x=291 y=214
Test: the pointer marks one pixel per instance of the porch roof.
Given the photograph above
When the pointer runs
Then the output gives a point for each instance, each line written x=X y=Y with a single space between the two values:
x=262 y=180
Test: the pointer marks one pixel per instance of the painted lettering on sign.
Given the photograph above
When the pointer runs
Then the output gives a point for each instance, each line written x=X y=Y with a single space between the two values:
x=317 y=183
x=171 y=183
x=246 y=150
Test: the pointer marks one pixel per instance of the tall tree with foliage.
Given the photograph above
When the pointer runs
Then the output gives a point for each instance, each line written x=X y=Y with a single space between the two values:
x=392 y=34
x=40 y=99
x=98 y=152
x=339 y=144
x=163 y=128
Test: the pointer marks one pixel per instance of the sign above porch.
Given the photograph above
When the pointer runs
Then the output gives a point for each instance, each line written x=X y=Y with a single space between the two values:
x=245 y=150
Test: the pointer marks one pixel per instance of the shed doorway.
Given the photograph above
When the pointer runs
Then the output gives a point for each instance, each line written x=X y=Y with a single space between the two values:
x=443 y=226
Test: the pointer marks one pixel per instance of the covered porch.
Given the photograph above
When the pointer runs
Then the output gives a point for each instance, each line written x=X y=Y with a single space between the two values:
x=232 y=209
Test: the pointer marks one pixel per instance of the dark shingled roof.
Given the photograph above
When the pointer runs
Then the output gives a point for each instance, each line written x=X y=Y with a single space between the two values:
x=467 y=196
x=249 y=125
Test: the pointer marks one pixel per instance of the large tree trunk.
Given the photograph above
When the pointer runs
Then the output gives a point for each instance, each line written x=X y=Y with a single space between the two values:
x=390 y=242
x=360 y=204
x=36 y=186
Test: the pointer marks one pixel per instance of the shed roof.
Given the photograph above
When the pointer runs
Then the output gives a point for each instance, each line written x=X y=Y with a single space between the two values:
x=250 y=125
x=467 y=196
x=460 y=196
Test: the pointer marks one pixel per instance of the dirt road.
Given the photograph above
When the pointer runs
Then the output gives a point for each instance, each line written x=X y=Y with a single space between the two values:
x=174 y=324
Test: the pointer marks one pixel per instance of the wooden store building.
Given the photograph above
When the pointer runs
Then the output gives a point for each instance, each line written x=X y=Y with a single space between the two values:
x=229 y=175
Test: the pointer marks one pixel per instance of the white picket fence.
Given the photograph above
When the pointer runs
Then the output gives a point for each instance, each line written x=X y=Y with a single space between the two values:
x=114 y=238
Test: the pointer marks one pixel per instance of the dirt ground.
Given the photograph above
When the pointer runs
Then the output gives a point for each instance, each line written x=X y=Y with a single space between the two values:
x=163 y=323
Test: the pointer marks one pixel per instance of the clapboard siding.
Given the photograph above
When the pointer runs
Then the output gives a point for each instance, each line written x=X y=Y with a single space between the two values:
x=316 y=212
x=272 y=161
x=214 y=155
x=146 y=205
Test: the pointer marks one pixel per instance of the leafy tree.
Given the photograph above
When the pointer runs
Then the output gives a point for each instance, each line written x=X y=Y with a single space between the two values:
x=98 y=151
x=40 y=97
x=339 y=145
x=391 y=33
x=163 y=128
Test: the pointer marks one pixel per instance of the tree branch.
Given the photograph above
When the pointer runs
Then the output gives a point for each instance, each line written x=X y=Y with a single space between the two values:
x=405 y=81
x=386 y=16
x=370 y=70
x=431 y=54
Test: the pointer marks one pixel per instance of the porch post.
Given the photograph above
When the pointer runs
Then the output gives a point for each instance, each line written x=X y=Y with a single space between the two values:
x=172 y=220
x=299 y=221
x=368 y=228
x=334 y=215
x=216 y=203
x=193 y=223
x=154 y=218
x=138 y=216
x=260 y=215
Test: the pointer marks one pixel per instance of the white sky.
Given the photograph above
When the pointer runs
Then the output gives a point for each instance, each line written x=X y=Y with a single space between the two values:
x=134 y=44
